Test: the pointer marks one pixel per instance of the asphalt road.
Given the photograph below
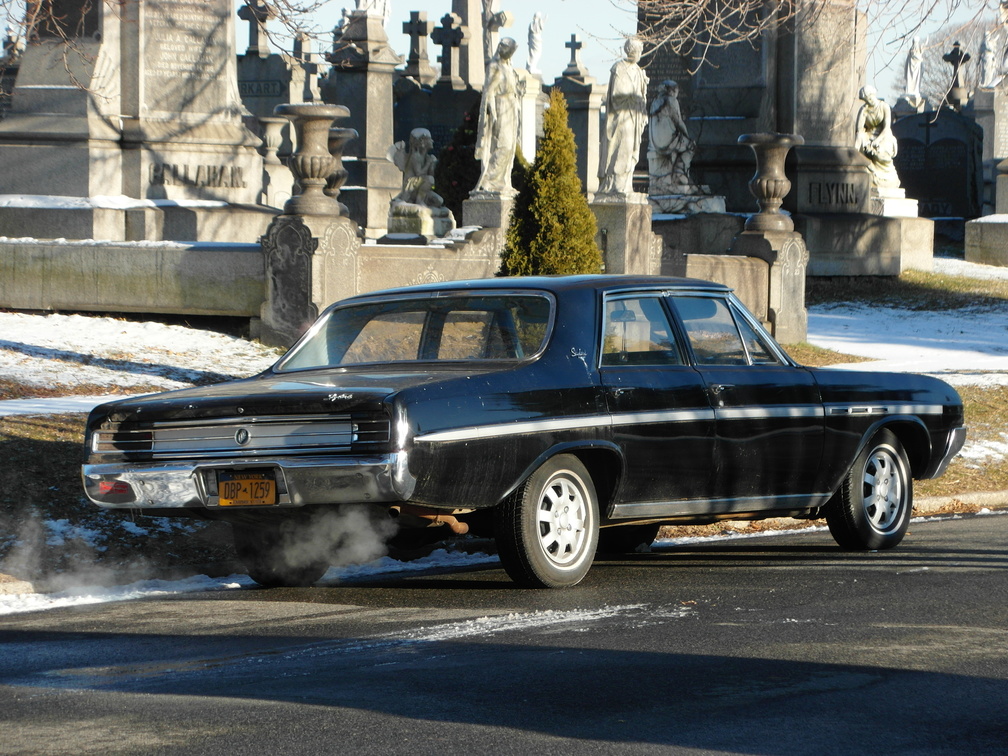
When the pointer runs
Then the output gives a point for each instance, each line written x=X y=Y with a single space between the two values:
x=780 y=645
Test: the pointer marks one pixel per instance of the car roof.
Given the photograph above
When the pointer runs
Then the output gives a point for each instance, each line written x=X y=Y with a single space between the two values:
x=605 y=282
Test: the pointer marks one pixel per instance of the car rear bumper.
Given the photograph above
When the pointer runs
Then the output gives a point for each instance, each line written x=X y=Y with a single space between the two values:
x=299 y=482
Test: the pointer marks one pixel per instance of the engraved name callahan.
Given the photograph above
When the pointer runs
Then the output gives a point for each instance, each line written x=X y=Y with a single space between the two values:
x=175 y=174
x=832 y=193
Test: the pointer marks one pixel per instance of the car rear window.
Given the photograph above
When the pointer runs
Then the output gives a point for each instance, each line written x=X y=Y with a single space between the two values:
x=468 y=328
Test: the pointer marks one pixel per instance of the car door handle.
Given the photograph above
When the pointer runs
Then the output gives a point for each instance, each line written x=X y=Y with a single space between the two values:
x=719 y=388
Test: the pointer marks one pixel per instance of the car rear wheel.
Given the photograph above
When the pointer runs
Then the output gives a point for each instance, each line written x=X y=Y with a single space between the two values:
x=872 y=509
x=275 y=559
x=547 y=530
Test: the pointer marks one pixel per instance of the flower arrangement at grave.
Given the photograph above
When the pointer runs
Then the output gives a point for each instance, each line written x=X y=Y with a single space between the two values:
x=552 y=229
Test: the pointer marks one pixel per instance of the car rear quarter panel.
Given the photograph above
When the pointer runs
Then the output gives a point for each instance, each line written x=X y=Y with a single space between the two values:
x=475 y=438
x=921 y=410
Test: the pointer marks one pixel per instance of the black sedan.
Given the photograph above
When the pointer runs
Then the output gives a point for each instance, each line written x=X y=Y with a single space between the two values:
x=559 y=415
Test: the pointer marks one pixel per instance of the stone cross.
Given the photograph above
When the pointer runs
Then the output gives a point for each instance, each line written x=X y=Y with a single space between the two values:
x=303 y=53
x=418 y=64
x=574 y=68
x=493 y=22
x=956 y=57
x=257 y=13
x=450 y=36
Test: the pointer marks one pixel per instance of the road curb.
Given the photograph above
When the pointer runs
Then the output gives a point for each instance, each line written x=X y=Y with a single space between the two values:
x=930 y=504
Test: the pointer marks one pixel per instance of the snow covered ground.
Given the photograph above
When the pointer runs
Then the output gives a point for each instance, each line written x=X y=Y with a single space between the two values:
x=109 y=356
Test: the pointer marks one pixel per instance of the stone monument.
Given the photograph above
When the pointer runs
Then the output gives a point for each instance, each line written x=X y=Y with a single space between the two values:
x=911 y=100
x=489 y=204
x=141 y=102
x=584 y=103
x=418 y=211
x=670 y=154
x=940 y=163
x=363 y=67
x=770 y=236
x=626 y=116
x=958 y=95
x=874 y=138
x=623 y=215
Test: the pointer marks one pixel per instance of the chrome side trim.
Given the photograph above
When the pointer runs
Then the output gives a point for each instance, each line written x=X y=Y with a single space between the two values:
x=889 y=408
x=579 y=422
x=696 y=507
x=759 y=413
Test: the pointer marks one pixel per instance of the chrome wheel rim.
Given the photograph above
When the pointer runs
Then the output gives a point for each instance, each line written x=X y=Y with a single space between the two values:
x=884 y=490
x=563 y=519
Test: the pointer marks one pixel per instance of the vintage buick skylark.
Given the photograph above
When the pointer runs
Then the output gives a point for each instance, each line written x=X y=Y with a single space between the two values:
x=559 y=415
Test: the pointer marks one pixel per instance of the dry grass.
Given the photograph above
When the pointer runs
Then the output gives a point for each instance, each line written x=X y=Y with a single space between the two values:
x=52 y=536
x=914 y=290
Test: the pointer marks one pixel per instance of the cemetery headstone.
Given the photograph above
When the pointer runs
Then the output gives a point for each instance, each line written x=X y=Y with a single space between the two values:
x=584 y=101
x=418 y=64
x=363 y=66
x=940 y=163
x=146 y=106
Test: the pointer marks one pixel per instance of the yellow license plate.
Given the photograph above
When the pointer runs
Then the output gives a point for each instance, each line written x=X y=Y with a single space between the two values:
x=246 y=489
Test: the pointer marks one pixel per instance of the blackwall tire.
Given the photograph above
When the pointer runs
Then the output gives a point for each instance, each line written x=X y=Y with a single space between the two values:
x=547 y=531
x=872 y=509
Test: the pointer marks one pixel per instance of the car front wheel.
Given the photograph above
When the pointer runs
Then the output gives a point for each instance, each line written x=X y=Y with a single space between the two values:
x=872 y=509
x=547 y=530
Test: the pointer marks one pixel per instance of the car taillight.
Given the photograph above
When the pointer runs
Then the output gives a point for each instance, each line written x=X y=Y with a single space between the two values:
x=113 y=488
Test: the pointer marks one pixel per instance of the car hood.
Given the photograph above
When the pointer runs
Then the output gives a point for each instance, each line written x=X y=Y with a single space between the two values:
x=302 y=392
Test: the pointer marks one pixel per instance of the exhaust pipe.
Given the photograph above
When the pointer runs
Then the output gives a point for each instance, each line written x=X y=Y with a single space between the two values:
x=429 y=518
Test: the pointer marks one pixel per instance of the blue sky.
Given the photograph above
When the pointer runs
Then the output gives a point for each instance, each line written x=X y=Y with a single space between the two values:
x=601 y=25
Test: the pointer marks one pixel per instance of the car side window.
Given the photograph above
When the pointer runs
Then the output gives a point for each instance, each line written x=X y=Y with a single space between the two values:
x=712 y=331
x=759 y=351
x=636 y=331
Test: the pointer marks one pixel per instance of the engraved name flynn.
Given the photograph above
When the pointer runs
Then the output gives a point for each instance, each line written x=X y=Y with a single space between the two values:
x=833 y=193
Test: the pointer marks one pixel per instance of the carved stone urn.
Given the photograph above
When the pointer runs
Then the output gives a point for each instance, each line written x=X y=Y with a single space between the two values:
x=312 y=163
x=272 y=136
x=770 y=185
x=338 y=138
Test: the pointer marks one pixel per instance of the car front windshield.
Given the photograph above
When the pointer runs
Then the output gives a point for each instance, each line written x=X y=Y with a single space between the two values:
x=462 y=328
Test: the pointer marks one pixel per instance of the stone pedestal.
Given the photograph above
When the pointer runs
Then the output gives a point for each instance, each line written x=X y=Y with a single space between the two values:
x=788 y=257
x=363 y=67
x=866 y=245
x=624 y=234
x=987 y=240
x=487 y=212
x=893 y=203
x=306 y=261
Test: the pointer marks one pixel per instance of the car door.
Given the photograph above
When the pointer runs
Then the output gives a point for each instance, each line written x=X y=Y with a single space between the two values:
x=660 y=412
x=769 y=415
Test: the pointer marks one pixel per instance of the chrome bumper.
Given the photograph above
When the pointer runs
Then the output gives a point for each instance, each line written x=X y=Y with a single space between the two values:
x=954 y=443
x=300 y=481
